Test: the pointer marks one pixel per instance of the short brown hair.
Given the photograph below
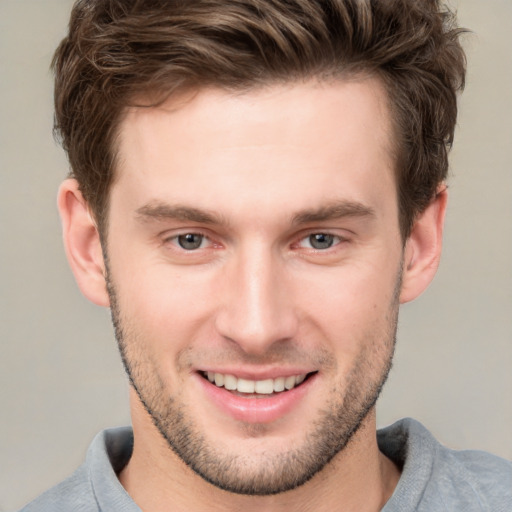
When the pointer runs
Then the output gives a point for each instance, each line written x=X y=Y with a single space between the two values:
x=117 y=50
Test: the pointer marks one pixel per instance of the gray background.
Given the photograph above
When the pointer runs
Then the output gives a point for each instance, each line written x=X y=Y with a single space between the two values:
x=60 y=378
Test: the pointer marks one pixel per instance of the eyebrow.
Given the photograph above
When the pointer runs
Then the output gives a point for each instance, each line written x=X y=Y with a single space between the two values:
x=162 y=211
x=157 y=210
x=336 y=210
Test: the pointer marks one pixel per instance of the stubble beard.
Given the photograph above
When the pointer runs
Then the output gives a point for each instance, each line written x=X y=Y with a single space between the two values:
x=336 y=425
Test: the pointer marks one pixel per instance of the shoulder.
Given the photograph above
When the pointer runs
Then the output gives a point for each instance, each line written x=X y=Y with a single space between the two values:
x=94 y=486
x=478 y=476
x=437 y=478
x=75 y=493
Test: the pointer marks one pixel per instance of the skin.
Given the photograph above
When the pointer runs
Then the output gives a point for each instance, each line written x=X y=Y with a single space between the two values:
x=256 y=297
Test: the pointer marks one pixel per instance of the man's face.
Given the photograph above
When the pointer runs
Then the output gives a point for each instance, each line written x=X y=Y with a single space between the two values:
x=254 y=238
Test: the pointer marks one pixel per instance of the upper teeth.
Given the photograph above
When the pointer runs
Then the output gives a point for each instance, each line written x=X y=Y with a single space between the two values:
x=266 y=386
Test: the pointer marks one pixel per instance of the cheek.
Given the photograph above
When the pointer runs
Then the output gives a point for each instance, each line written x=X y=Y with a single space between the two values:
x=352 y=306
x=163 y=311
x=345 y=294
x=163 y=293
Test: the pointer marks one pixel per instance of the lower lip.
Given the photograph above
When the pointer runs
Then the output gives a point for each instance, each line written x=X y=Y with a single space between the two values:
x=256 y=410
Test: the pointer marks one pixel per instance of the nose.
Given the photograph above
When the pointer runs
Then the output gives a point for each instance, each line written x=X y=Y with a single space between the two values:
x=256 y=309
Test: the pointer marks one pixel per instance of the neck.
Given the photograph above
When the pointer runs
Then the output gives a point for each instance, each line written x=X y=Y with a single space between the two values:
x=360 y=478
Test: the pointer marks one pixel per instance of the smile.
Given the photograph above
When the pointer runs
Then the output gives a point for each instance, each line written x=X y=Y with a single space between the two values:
x=263 y=387
x=257 y=400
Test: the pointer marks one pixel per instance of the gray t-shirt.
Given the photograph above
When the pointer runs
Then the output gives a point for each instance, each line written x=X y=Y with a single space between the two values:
x=434 y=478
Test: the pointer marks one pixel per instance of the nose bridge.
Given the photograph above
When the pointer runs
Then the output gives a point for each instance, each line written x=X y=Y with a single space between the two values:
x=256 y=310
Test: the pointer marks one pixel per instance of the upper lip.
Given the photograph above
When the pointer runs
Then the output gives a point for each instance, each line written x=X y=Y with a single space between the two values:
x=263 y=374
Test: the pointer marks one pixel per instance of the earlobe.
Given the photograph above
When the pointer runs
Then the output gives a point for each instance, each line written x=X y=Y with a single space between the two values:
x=423 y=248
x=82 y=243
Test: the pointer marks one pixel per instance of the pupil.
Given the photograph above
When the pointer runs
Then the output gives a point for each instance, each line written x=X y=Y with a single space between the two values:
x=321 y=240
x=190 y=241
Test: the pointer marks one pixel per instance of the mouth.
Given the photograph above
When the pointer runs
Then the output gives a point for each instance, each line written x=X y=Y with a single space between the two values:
x=256 y=388
x=260 y=400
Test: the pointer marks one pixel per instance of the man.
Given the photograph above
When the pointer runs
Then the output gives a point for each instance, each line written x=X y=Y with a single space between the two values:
x=256 y=186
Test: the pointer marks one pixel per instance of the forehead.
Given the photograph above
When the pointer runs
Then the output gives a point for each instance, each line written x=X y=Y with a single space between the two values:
x=224 y=148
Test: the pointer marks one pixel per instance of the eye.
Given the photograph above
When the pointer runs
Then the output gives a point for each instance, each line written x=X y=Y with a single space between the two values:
x=320 y=241
x=191 y=241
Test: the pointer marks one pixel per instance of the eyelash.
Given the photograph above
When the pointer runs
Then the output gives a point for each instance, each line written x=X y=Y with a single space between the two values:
x=174 y=240
x=336 y=241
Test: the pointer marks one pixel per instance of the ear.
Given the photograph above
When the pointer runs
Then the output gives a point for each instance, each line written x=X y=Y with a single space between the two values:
x=423 y=248
x=82 y=243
